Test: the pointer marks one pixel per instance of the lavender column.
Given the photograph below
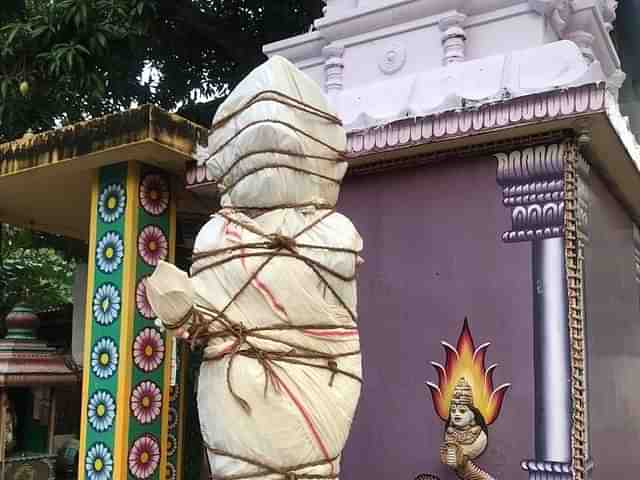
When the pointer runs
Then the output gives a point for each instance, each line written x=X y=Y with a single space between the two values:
x=533 y=187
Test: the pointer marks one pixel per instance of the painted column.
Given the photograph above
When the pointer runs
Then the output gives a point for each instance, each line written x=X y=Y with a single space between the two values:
x=126 y=383
x=177 y=414
x=533 y=187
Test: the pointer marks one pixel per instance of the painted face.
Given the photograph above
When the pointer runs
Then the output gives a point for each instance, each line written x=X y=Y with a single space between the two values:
x=461 y=415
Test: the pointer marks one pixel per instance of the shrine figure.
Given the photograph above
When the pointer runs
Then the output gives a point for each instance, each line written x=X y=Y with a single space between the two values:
x=465 y=436
x=466 y=400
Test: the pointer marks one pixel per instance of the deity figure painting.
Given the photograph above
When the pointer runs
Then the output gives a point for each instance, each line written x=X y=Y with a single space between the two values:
x=467 y=402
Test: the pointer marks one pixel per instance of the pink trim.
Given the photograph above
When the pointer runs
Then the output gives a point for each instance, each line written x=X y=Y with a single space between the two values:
x=540 y=107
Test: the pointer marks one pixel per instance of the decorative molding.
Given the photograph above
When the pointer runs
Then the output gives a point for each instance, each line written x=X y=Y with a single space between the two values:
x=574 y=271
x=615 y=82
x=547 y=470
x=583 y=170
x=393 y=59
x=608 y=9
x=406 y=133
x=334 y=68
x=453 y=37
x=584 y=41
x=558 y=12
x=460 y=123
x=533 y=187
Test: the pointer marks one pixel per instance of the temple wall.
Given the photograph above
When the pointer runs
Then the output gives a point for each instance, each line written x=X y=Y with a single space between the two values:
x=614 y=338
x=433 y=256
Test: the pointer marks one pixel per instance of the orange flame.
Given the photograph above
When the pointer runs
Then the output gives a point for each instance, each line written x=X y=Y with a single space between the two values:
x=468 y=362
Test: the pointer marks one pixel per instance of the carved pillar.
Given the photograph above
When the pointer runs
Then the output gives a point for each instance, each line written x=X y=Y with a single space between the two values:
x=453 y=37
x=533 y=187
x=334 y=68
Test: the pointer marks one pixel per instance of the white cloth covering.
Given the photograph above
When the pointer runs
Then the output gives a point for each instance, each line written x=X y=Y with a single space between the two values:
x=266 y=125
x=308 y=294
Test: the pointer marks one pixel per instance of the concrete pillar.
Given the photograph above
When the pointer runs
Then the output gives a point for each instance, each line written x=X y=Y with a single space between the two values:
x=126 y=383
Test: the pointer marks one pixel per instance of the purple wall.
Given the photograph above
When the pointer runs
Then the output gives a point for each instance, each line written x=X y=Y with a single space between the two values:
x=433 y=256
x=612 y=310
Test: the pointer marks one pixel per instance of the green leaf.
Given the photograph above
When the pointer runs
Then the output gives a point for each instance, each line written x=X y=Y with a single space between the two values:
x=13 y=34
x=101 y=39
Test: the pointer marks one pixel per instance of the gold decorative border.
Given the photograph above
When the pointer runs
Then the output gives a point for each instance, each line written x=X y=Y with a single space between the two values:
x=574 y=261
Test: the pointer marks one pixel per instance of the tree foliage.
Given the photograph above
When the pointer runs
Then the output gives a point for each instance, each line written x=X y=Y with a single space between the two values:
x=66 y=60
x=31 y=273
x=62 y=61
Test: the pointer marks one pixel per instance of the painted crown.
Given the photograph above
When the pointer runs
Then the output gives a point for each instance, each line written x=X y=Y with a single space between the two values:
x=462 y=393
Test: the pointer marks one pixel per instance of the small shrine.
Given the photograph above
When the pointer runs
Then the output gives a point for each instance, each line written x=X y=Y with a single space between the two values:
x=31 y=375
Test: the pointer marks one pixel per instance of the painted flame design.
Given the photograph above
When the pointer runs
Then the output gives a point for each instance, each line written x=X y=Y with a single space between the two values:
x=468 y=362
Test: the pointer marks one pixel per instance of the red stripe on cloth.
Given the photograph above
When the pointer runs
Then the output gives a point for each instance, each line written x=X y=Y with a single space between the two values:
x=308 y=421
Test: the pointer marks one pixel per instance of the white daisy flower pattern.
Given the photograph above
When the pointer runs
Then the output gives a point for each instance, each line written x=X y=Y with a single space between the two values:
x=110 y=252
x=104 y=358
x=112 y=202
x=106 y=304
x=102 y=410
x=99 y=462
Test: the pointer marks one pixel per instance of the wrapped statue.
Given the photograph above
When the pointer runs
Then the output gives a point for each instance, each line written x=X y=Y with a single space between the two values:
x=271 y=294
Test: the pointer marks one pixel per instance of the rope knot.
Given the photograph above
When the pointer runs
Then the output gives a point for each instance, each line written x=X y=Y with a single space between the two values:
x=239 y=331
x=280 y=242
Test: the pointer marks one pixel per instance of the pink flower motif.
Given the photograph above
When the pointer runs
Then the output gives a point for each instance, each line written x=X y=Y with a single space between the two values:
x=144 y=457
x=148 y=350
x=154 y=194
x=142 y=302
x=152 y=245
x=146 y=402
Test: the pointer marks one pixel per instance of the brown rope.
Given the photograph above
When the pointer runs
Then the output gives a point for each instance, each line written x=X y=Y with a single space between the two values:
x=232 y=185
x=288 y=473
x=278 y=251
x=285 y=100
x=250 y=209
x=278 y=151
x=253 y=123
x=297 y=354
x=269 y=245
